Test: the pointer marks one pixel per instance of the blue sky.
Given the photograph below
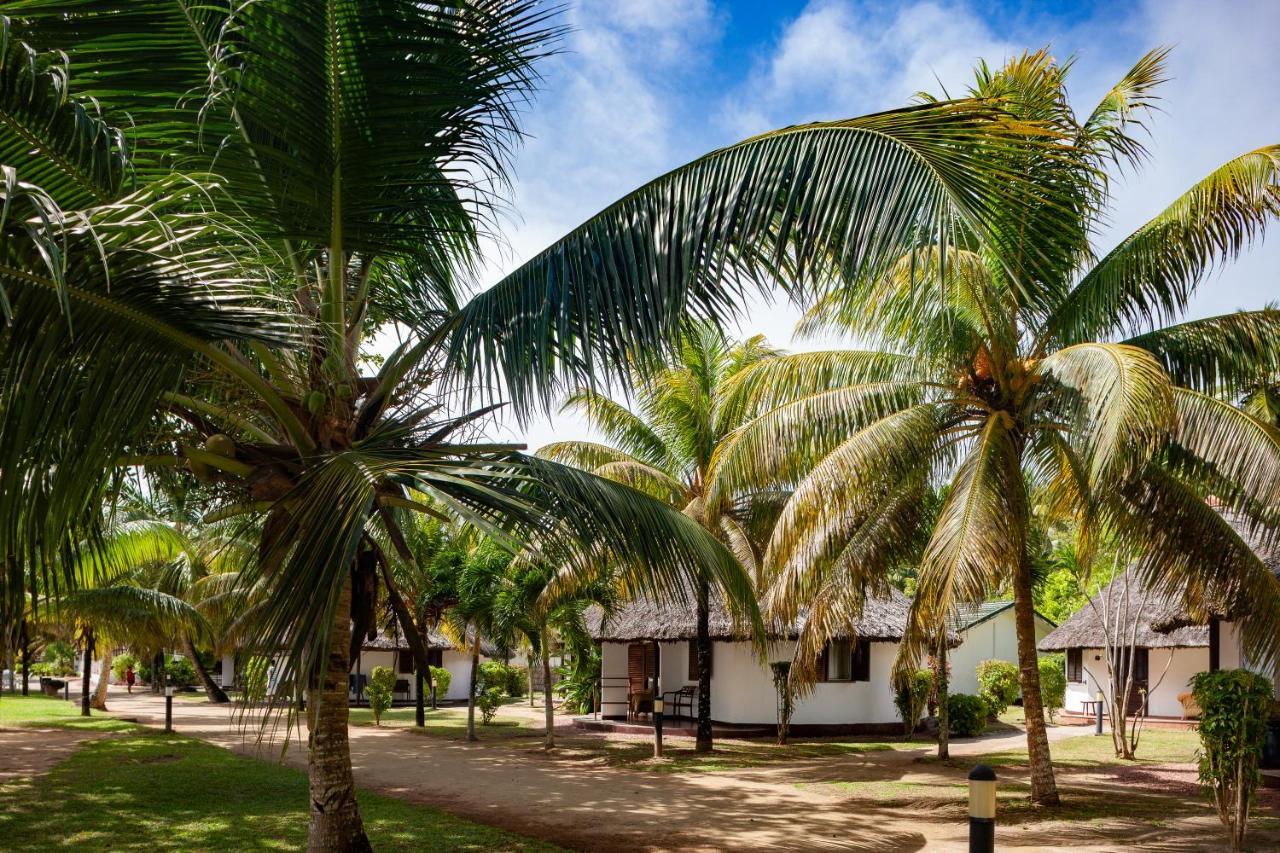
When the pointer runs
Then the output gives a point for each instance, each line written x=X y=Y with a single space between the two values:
x=646 y=85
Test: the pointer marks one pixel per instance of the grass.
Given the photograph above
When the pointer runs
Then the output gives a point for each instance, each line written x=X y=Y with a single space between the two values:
x=1157 y=746
x=40 y=711
x=450 y=722
x=153 y=791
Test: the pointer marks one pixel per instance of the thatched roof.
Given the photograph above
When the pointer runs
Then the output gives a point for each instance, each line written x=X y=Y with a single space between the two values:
x=394 y=641
x=1124 y=599
x=883 y=618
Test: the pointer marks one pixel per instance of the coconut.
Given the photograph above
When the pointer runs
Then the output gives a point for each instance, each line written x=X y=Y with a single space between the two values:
x=221 y=445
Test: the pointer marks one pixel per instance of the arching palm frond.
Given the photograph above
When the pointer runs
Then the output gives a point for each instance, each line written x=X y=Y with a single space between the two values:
x=1222 y=355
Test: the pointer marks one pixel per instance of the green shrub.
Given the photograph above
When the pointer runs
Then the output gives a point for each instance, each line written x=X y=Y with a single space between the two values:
x=511 y=680
x=44 y=669
x=577 y=682
x=910 y=696
x=379 y=690
x=61 y=656
x=1234 y=706
x=180 y=673
x=441 y=678
x=1053 y=684
x=997 y=685
x=966 y=714
x=122 y=663
x=254 y=676
x=489 y=701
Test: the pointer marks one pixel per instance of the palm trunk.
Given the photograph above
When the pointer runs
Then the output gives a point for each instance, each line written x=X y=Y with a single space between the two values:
x=414 y=637
x=99 y=702
x=211 y=688
x=546 y=690
x=471 y=691
x=88 y=671
x=335 y=816
x=544 y=687
x=1044 y=790
x=704 y=668
x=944 y=717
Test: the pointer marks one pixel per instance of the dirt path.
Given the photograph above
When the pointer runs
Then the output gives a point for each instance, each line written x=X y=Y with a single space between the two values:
x=588 y=805
x=28 y=752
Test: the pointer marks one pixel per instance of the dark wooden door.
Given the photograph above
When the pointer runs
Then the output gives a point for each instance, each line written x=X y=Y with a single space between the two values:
x=1138 y=689
x=641 y=667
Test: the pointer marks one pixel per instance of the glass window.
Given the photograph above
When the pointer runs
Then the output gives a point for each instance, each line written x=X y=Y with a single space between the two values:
x=840 y=661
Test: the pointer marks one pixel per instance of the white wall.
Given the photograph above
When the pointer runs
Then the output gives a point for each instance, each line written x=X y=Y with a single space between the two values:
x=457 y=662
x=1169 y=673
x=742 y=687
x=994 y=639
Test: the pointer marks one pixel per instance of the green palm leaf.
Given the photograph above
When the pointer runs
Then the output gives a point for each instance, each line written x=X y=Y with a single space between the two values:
x=1238 y=446
x=1218 y=354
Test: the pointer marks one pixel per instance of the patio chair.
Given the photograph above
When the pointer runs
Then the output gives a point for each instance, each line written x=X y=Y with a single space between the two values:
x=682 y=698
x=639 y=702
x=402 y=689
x=1190 y=708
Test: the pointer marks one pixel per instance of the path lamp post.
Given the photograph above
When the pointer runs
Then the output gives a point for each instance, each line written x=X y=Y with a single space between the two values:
x=657 y=727
x=420 y=710
x=1097 y=723
x=982 y=809
x=168 y=709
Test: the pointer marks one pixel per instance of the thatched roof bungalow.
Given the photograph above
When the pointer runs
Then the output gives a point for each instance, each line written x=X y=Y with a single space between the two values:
x=391 y=649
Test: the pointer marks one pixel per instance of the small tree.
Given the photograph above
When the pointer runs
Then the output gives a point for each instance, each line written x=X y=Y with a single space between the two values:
x=967 y=714
x=786 y=698
x=1234 y=706
x=1053 y=684
x=489 y=701
x=441 y=678
x=379 y=690
x=997 y=685
x=911 y=697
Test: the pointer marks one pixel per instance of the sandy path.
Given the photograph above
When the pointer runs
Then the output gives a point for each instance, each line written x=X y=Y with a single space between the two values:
x=586 y=805
x=29 y=751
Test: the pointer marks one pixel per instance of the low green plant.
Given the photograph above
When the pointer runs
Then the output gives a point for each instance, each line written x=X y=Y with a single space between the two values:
x=379 y=690
x=966 y=714
x=1234 y=707
x=180 y=672
x=577 y=682
x=1053 y=684
x=911 y=696
x=61 y=656
x=440 y=679
x=511 y=680
x=121 y=664
x=489 y=701
x=44 y=669
x=997 y=685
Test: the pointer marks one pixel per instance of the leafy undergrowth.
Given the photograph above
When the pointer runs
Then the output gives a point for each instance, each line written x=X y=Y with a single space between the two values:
x=168 y=792
x=40 y=711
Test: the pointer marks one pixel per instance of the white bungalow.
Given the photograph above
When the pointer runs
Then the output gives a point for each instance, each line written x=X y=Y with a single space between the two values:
x=648 y=647
x=1168 y=649
x=392 y=650
x=987 y=632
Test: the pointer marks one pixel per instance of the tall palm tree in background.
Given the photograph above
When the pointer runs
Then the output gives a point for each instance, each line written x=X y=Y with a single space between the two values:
x=665 y=448
x=201 y=290
x=1055 y=392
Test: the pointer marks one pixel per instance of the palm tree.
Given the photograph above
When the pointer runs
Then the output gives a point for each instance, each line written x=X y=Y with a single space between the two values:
x=200 y=291
x=1017 y=392
x=472 y=617
x=666 y=447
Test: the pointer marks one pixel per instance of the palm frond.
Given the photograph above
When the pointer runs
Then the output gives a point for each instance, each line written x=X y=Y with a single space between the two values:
x=1222 y=354
x=1126 y=104
x=1241 y=448
x=624 y=428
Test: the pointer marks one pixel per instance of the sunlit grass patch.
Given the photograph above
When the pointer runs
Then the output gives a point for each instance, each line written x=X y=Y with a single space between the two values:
x=40 y=711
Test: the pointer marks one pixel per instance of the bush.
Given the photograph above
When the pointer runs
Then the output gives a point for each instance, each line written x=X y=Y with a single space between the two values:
x=122 y=663
x=510 y=680
x=966 y=714
x=997 y=685
x=440 y=679
x=181 y=673
x=1053 y=684
x=1234 y=706
x=44 y=669
x=379 y=690
x=910 y=696
x=489 y=701
x=61 y=657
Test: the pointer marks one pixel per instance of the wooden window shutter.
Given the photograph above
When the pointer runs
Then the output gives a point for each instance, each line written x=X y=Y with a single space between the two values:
x=1075 y=663
x=640 y=665
x=861 y=664
x=822 y=662
x=404 y=661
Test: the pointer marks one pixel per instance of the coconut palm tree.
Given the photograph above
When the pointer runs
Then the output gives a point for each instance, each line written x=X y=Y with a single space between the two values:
x=1064 y=392
x=665 y=448
x=201 y=290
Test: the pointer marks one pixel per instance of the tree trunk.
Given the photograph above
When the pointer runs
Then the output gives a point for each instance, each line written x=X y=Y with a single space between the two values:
x=1044 y=790
x=944 y=716
x=417 y=645
x=471 y=691
x=704 y=668
x=544 y=687
x=335 y=816
x=99 y=702
x=546 y=690
x=26 y=659
x=88 y=672
x=211 y=688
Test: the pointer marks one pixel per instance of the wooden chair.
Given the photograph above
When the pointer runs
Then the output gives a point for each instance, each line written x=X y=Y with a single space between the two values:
x=639 y=702
x=1190 y=708
x=684 y=697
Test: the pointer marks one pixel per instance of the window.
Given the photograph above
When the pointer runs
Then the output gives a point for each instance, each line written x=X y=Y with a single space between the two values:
x=845 y=660
x=404 y=661
x=693 y=660
x=1075 y=665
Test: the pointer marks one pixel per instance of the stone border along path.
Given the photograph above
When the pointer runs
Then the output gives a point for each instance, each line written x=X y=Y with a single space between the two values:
x=587 y=805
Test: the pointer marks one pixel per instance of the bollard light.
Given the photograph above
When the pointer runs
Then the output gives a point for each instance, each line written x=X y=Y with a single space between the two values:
x=657 y=726
x=1097 y=723
x=168 y=709
x=982 y=809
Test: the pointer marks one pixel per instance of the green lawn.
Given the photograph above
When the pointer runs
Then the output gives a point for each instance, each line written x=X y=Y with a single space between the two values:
x=42 y=711
x=451 y=722
x=1088 y=750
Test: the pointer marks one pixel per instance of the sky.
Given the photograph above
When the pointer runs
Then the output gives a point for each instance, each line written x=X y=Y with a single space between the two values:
x=644 y=86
